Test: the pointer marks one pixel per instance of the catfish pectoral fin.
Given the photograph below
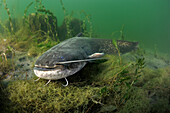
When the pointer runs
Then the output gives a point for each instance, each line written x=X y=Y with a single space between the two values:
x=96 y=55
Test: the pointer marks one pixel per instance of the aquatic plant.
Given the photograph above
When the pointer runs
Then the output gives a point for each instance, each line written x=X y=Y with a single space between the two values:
x=93 y=88
x=42 y=27
x=51 y=21
x=7 y=62
x=155 y=51
x=3 y=28
x=122 y=77
x=49 y=99
x=6 y=67
x=153 y=87
x=122 y=37
x=9 y=16
x=157 y=85
x=25 y=12
x=42 y=22
x=120 y=34
x=102 y=86
x=44 y=46
x=138 y=102
x=84 y=25
x=74 y=26
x=67 y=20
x=87 y=25
x=116 y=46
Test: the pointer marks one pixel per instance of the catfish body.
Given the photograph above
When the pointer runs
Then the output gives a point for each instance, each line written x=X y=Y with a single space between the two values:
x=71 y=55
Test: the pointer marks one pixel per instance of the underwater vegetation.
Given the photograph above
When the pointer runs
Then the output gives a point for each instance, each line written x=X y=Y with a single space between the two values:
x=104 y=86
x=88 y=89
x=74 y=26
x=43 y=23
x=29 y=33
x=100 y=87
x=6 y=61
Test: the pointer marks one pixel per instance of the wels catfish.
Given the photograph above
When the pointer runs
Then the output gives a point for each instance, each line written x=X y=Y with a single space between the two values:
x=71 y=55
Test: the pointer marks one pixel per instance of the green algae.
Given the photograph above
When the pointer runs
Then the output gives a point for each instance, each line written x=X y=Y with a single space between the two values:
x=33 y=97
x=137 y=103
x=6 y=61
x=103 y=86
x=33 y=51
x=89 y=87
x=150 y=93
x=158 y=89
x=38 y=48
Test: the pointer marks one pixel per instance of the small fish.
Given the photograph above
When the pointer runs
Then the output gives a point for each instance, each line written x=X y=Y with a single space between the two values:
x=71 y=55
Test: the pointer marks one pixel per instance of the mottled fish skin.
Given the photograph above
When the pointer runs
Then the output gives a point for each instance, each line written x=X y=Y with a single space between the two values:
x=127 y=46
x=76 y=48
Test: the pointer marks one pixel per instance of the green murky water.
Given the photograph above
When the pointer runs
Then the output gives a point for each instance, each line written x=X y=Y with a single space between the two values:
x=146 y=21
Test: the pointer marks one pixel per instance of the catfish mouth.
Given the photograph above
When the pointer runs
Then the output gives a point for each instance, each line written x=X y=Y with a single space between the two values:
x=47 y=72
x=44 y=69
x=58 y=71
x=48 y=68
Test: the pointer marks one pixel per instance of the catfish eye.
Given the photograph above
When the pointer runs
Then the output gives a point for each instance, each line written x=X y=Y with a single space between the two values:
x=62 y=57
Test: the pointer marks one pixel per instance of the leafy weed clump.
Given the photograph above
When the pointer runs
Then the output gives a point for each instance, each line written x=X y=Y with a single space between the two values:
x=87 y=91
x=27 y=96
x=6 y=62
x=138 y=102
x=151 y=93
x=158 y=89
